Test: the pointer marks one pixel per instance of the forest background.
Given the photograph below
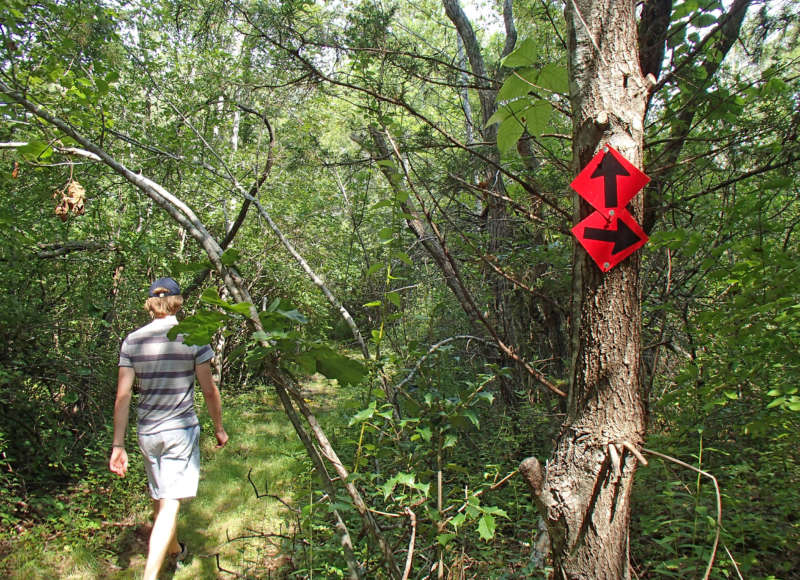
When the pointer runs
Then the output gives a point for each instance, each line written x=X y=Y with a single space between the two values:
x=368 y=206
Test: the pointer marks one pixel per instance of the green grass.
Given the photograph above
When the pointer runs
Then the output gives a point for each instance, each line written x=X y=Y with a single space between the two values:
x=225 y=522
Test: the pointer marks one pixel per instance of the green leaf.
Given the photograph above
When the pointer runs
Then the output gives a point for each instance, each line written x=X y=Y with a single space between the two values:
x=450 y=440
x=776 y=402
x=229 y=257
x=386 y=234
x=306 y=363
x=211 y=296
x=705 y=20
x=394 y=298
x=273 y=322
x=458 y=519
x=260 y=335
x=537 y=117
x=198 y=328
x=381 y=204
x=294 y=315
x=373 y=304
x=444 y=539
x=501 y=114
x=553 y=77
x=518 y=84
x=401 y=196
x=403 y=257
x=339 y=367
x=425 y=433
x=470 y=414
x=375 y=268
x=36 y=150
x=363 y=415
x=388 y=487
x=508 y=134
x=179 y=267
x=486 y=527
x=523 y=55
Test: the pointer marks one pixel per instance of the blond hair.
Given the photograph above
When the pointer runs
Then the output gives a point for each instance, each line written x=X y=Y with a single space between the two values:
x=164 y=306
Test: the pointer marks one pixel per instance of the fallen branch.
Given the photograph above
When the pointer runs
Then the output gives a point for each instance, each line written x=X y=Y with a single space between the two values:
x=231 y=572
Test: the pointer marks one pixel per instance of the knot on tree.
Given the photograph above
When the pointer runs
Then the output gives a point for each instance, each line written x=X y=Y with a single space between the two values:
x=531 y=470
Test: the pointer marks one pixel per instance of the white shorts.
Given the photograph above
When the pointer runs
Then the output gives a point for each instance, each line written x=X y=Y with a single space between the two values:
x=172 y=461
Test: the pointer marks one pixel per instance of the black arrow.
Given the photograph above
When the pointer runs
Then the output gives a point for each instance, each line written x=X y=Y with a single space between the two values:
x=609 y=168
x=623 y=237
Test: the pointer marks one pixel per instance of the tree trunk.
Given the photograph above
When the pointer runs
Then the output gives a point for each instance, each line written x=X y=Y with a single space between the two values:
x=584 y=490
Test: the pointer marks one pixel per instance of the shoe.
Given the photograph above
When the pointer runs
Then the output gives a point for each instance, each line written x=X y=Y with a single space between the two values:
x=180 y=556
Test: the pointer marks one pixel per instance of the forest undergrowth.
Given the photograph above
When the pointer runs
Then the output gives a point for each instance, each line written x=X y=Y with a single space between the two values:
x=260 y=513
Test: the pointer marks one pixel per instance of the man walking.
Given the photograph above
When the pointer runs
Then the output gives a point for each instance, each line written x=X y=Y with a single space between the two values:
x=167 y=424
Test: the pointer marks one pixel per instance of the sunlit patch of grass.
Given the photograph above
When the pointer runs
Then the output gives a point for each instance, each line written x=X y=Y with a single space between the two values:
x=226 y=514
x=44 y=560
x=226 y=518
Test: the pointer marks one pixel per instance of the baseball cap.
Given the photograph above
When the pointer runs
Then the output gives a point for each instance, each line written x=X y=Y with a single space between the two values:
x=171 y=286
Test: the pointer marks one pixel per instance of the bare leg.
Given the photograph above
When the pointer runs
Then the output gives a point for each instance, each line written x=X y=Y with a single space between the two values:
x=162 y=537
x=174 y=546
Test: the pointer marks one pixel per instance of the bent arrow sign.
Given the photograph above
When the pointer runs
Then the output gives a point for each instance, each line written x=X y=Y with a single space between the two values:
x=623 y=237
x=610 y=241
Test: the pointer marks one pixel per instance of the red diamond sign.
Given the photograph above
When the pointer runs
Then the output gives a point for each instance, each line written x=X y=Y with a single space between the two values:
x=609 y=181
x=609 y=242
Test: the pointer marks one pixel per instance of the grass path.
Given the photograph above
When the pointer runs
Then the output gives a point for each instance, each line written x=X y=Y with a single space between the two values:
x=262 y=443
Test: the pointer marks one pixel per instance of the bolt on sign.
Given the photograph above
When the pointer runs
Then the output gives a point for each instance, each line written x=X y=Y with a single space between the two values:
x=608 y=183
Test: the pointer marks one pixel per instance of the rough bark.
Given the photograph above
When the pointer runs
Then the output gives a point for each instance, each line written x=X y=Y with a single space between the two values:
x=585 y=492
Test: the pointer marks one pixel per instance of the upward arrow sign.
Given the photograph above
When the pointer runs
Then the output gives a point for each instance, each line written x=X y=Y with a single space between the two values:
x=621 y=180
x=609 y=169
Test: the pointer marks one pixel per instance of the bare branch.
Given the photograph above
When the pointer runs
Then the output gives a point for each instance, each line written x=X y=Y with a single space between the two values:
x=57 y=249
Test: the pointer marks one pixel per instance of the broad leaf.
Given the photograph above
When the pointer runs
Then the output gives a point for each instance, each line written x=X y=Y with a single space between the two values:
x=486 y=526
x=523 y=55
x=336 y=366
x=198 y=328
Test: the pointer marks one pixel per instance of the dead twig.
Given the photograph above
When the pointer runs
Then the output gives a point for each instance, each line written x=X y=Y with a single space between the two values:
x=267 y=494
x=413 y=521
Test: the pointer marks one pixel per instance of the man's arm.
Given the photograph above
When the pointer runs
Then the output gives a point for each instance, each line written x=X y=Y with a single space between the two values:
x=213 y=400
x=119 y=457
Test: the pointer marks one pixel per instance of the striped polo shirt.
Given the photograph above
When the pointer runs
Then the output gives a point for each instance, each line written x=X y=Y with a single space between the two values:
x=165 y=369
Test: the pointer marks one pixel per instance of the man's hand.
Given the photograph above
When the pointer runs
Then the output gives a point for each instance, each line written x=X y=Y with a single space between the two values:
x=119 y=461
x=222 y=437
